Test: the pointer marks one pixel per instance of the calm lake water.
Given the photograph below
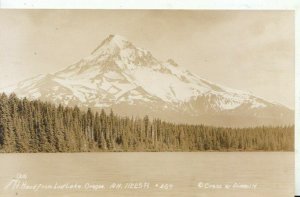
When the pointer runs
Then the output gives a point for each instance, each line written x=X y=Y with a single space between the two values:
x=198 y=174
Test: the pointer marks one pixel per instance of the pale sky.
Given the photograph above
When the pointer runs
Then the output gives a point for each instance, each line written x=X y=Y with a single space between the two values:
x=246 y=50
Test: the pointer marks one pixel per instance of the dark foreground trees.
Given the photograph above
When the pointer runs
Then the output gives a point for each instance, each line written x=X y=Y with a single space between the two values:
x=35 y=126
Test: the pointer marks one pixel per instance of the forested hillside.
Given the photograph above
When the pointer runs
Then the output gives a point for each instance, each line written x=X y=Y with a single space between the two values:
x=35 y=126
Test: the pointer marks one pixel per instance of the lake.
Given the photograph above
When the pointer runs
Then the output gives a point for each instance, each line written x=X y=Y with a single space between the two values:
x=195 y=174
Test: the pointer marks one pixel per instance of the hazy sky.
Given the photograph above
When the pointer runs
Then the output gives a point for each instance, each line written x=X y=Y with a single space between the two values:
x=245 y=50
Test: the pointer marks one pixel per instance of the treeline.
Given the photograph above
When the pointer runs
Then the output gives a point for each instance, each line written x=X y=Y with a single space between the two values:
x=35 y=126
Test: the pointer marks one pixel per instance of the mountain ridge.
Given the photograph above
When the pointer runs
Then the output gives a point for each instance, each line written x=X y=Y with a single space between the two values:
x=130 y=80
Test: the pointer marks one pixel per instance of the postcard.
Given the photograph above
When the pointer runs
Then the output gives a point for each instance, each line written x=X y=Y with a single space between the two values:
x=147 y=102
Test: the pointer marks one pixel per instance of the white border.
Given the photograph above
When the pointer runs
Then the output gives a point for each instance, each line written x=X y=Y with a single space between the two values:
x=149 y=4
x=192 y=5
x=297 y=99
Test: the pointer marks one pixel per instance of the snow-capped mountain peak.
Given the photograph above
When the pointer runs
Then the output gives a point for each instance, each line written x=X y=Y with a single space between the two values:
x=130 y=80
x=113 y=42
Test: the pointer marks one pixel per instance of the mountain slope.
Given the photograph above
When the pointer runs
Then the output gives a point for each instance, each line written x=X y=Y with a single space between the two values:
x=130 y=80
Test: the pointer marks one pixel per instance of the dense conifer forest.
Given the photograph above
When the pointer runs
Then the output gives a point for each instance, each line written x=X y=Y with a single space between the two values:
x=35 y=126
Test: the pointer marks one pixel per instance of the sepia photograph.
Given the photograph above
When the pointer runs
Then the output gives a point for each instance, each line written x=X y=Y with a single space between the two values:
x=147 y=103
